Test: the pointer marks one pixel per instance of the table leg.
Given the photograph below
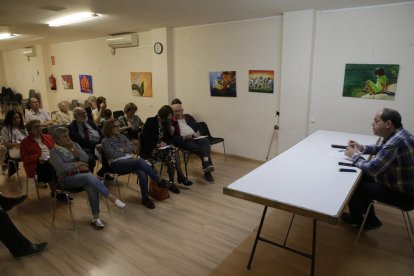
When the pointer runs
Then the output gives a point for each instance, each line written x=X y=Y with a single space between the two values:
x=313 y=248
x=257 y=237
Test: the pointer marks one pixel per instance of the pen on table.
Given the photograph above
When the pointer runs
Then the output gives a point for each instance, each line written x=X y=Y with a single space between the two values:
x=347 y=170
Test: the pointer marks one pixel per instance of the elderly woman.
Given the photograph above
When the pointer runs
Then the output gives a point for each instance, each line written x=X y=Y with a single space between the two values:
x=12 y=133
x=64 y=115
x=91 y=107
x=156 y=140
x=34 y=152
x=130 y=124
x=118 y=151
x=70 y=163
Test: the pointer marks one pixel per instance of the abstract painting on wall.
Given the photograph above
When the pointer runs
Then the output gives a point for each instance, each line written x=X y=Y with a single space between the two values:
x=223 y=84
x=141 y=84
x=86 y=84
x=371 y=81
x=261 y=81
x=67 y=81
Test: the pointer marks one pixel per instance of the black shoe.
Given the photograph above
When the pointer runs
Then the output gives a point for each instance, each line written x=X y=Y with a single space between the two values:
x=62 y=197
x=208 y=177
x=34 y=249
x=174 y=189
x=185 y=181
x=346 y=217
x=7 y=203
x=207 y=167
x=148 y=203
x=163 y=183
x=109 y=178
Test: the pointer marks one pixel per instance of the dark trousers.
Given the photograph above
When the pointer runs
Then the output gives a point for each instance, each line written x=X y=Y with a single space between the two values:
x=11 y=237
x=367 y=191
x=138 y=166
x=201 y=147
x=92 y=163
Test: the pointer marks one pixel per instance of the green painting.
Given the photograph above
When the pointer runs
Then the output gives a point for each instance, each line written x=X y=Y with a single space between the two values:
x=371 y=81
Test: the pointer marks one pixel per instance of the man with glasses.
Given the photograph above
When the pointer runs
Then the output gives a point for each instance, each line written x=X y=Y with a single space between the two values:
x=87 y=134
x=388 y=176
x=35 y=112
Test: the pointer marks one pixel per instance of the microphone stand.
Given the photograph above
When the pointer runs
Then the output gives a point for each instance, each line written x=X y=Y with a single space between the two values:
x=276 y=127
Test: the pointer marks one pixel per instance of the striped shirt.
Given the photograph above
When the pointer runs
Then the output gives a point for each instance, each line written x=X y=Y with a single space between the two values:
x=393 y=163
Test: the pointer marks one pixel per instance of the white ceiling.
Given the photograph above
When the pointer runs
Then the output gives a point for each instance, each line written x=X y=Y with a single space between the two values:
x=28 y=18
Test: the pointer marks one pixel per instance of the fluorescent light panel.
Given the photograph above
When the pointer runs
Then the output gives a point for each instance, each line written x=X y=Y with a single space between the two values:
x=74 y=18
x=6 y=35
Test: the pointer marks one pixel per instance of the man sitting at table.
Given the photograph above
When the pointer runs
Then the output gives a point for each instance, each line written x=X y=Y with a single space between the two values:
x=389 y=175
x=186 y=136
x=35 y=112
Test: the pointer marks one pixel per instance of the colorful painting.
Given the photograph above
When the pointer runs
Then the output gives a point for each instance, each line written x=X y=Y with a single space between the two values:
x=86 y=84
x=141 y=83
x=223 y=84
x=371 y=81
x=261 y=81
x=67 y=81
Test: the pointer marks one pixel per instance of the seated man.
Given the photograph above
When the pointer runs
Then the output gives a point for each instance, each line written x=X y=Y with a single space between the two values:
x=87 y=134
x=186 y=136
x=389 y=175
x=35 y=112
x=64 y=115
x=18 y=245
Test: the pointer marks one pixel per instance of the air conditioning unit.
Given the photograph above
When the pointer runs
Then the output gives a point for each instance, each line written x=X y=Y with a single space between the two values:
x=122 y=41
x=29 y=52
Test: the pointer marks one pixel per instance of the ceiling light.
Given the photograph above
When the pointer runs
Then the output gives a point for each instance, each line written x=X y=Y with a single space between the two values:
x=74 y=18
x=6 y=35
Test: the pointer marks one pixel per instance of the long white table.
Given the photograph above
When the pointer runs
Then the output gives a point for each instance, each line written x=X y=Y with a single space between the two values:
x=304 y=180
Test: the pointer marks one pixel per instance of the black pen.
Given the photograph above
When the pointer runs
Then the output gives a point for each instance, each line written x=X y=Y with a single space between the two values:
x=347 y=170
x=338 y=146
x=346 y=164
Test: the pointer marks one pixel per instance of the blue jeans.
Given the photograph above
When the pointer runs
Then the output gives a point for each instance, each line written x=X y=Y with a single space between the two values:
x=92 y=185
x=138 y=166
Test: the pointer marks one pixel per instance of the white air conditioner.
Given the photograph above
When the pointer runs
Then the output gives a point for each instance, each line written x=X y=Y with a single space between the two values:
x=29 y=52
x=122 y=41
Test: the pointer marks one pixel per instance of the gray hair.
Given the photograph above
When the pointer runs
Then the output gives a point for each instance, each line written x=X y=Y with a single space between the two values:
x=91 y=99
x=58 y=132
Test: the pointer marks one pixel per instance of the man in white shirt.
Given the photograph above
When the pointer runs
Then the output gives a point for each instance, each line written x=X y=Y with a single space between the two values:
x=38 y=113
x=186 y=136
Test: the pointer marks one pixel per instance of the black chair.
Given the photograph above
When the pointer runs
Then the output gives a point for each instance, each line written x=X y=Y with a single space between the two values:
x=118 y=114
x=203 y=129
x=405 y=213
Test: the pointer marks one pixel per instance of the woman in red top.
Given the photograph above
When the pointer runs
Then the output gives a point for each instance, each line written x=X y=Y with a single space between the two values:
x=34 y=153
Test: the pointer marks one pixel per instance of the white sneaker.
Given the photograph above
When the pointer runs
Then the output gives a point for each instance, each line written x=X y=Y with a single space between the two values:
x=119 y=204
x=97 y=223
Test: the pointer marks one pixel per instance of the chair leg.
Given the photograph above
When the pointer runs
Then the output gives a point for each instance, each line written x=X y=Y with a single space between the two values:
x=54 y=208
x=363 y=222
x=118 y=185
x=224 y=149
x=70 y=211
x=129 y=176
x=409 y=226
x=37 y=188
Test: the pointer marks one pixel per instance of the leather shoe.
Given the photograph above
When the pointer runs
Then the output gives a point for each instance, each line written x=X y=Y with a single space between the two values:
x=346 y=217
x=34 y=249
x=148 y=203
x=208 y=177
x=174 y=189
x=7 y=203
x=185 y=181
x=62 y=197
x=207 y=166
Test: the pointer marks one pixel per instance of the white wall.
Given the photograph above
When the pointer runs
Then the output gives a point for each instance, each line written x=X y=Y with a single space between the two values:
x=246 y=122
x=380 y=35
x=2 y=73
x=23 y=75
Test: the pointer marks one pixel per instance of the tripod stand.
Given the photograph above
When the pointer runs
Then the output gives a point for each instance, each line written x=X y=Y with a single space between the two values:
x=276 y=127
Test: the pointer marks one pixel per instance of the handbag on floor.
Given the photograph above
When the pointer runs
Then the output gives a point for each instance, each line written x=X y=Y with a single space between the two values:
x=158 y=193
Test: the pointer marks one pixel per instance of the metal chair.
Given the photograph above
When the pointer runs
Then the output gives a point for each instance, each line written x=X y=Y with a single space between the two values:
x=15 y=163
x=405 y=213
x=203 y=129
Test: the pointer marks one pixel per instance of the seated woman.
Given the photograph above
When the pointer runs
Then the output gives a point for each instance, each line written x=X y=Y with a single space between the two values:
x=12 y=133
x=155 y=144
x=34 y=153
x=130 y=124
x=118 y=151
x=72 y=171
x=64 y=115
x=98 y=113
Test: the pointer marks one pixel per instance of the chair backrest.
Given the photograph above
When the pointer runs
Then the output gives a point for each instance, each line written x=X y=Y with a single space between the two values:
x=203 y=129
x=118 y=114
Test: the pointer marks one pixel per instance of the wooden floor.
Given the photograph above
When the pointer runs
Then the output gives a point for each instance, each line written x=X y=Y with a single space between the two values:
x=198 y=232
